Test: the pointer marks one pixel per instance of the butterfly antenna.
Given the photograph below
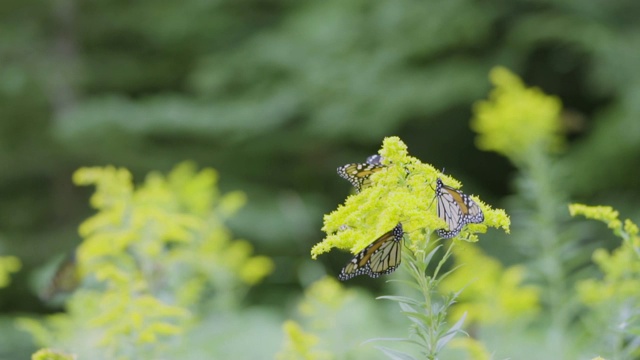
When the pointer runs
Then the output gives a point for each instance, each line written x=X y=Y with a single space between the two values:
x=434 y=197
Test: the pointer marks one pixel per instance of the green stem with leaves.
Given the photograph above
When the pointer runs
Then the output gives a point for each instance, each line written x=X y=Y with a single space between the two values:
x=547 y=203
x=428 y=314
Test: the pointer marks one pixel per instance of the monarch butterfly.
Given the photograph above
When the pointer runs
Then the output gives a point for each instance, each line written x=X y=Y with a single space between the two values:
x=456 y=209
x=64 y=280
x=380 y=257
x=358 y=174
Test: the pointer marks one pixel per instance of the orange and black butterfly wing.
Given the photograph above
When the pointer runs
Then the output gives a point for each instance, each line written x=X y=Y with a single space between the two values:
x=387 y=259
x=381 y=257
x=358 y=174
x=474 y=213
x=456 y=209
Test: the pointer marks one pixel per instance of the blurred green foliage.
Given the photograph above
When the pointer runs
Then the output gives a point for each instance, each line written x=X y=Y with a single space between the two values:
x=491 y=294
x=276 y=94
x=328 y=324
x=8 y=265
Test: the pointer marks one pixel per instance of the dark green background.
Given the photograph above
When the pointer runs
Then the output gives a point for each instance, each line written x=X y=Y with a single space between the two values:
x=276 y=94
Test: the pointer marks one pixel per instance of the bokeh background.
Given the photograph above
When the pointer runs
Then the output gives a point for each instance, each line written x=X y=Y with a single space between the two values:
x=276 y=94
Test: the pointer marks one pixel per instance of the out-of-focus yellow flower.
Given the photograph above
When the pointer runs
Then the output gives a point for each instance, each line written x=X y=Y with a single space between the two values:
x=49 y=354
x=621 y=267
x=8 y=265
x=516 y=119
x=138 y=318
x=606 y=214
x=475 y=349
x=322 y=302
x=491 y=294
x=324 y=293
x=626 y=230
x=403 y=192
x=183 y=207
x=112 y=185
x=255 y=269
x=154 y=249
x=299 y=345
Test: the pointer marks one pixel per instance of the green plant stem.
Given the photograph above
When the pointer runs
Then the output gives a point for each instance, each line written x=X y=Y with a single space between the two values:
x=547 y=202
x=427 y=284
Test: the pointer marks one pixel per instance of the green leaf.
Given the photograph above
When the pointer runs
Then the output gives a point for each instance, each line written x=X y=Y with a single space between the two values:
x=411 y=284
x=395 y=354
x=422 y=320
x=457 y=327
x=449 y=272
x=401 y=299
x=427 y=259
x=404 y=340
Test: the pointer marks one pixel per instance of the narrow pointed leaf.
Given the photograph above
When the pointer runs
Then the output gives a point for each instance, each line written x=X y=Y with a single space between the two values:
x=395 y=354
x=404 y=340
x=400 y=299
x=449 y=272
x=427 y=260
x=423 y=321
x=408 y=283
x=407 y=308
x=457 y=327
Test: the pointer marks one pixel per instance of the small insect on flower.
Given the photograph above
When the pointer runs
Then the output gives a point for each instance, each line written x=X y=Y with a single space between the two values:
x=456 y=209
x=379 y=258
x=358 y=173
x=64 y=280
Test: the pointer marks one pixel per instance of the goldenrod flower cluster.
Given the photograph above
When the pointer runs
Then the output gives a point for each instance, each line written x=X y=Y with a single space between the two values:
x=516 y=119
x=620 y=267
x=147 y=257
x=404 y=191
x=492 y=294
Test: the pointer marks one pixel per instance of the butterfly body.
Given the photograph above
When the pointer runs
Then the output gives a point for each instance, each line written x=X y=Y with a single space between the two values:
x=456 y=209
x=381 y=257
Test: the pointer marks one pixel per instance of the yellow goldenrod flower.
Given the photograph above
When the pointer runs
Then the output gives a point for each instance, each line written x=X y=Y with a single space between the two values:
x=491 y=293
x=183 y=207
x=148 y=255
x=516 y=119
x=255 y=269
x=403 y=191
x=321 y=313
x=605 y=214
x=620 y=267
x=299 y=345
x=324 y=293
x=475 y=349
x=50 y=354
x=627 y=230
x=8 y=265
